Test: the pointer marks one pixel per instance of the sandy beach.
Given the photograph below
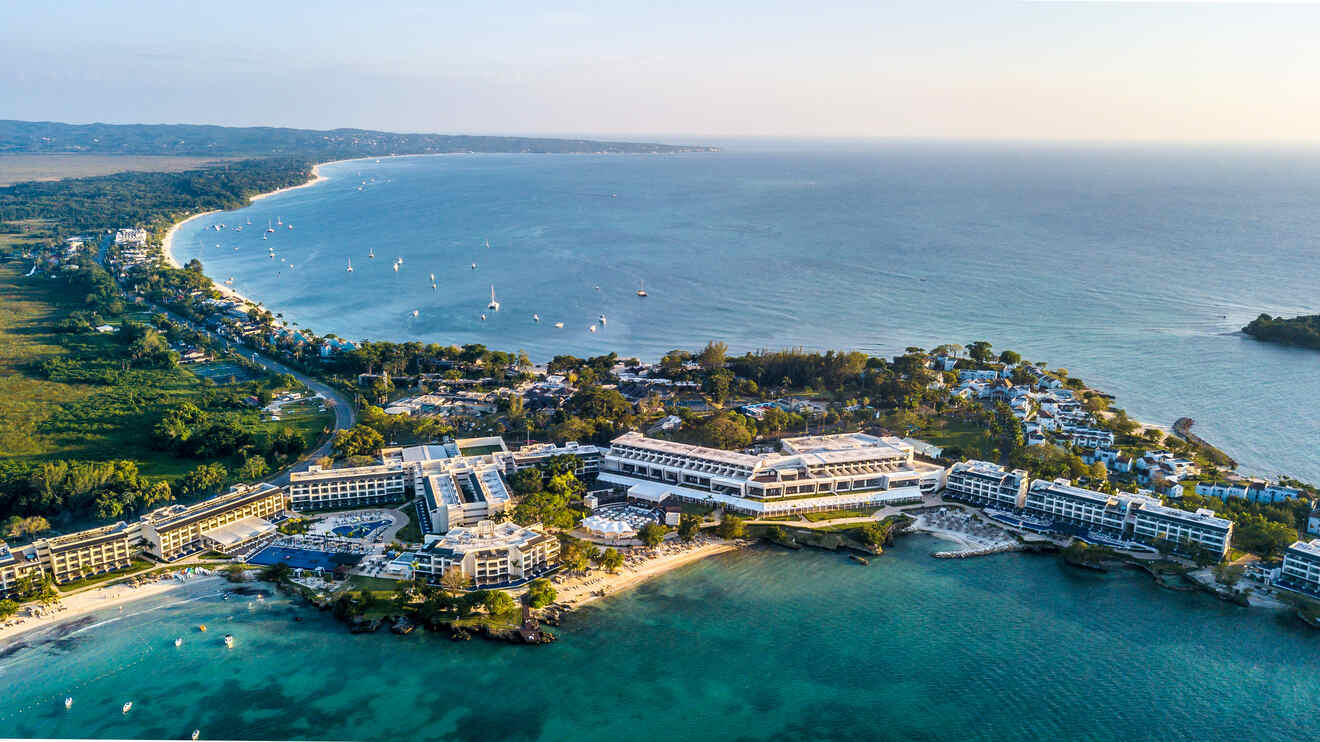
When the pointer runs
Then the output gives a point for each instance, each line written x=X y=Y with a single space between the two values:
x=97 y=599
x=577 y=591
x=167 y=245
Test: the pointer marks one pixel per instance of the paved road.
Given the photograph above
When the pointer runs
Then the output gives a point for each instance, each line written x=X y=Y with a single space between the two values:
x=345 y=415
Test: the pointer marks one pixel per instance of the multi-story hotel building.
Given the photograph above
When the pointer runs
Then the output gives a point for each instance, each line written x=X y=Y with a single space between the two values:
x=985 y=484
x=1065 y=504
x=1155 y=524
x=227 y=522
x=86 y=553
x=319 y=489
x=457 y=483
x=457 y=491
x=17 y=565
x=813 y=473
x=1126 y=516
x=587 y=458
x=490 y=554
x=1301 y=566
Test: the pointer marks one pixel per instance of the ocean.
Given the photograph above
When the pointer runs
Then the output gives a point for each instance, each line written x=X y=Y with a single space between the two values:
x=755 y=645
x=1133 y=267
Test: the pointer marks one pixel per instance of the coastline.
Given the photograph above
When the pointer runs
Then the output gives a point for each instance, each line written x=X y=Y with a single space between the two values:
x=167 y=244
x=578 y=591
x=89 y=601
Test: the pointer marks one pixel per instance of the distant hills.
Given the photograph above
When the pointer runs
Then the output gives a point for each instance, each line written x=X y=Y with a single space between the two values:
x=226 y=141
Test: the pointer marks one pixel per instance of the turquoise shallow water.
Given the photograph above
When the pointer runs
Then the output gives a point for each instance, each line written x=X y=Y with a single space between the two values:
x=1132 y=267
x=756 y=645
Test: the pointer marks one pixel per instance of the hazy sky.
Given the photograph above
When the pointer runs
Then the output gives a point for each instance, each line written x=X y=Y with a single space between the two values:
x=975 y=69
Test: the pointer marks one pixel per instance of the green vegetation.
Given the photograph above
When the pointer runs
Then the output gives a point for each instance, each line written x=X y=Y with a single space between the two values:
x=652 y=534
x=540 y=593
x=731 y=527
x=551 y=496
x=212 y=141
x=835 y=514
x=1303 y=331
x=105 y=425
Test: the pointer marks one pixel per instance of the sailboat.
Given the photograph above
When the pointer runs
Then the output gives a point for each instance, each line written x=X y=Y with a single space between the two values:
x=432 y=278
x=268 y=227
x=350 y=265
x=487 y=244
x=279 y=220
x=371 y=253
x=602 y=320
x=396 y=267
x=642 y=291
x=493 y=305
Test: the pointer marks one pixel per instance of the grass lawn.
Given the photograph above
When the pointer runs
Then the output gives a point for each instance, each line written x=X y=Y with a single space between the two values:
x=44 y=419
x=376 y=585
x=136 y=567
x=832 y=514
x=412 y=532
x=946 y=433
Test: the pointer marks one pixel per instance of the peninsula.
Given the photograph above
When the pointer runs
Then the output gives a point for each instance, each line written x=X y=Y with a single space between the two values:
x=1302 y=331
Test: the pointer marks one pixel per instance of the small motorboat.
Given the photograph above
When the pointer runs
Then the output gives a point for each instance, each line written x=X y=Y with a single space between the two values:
x=483 y=317
x=591 y=329
x=202 y=627
x=536 y=318
x=197 y=732
x=126 y=707
x=178 y=641
x=68 y=702
x=559 y=325
x=602 y=320
x=229 y=640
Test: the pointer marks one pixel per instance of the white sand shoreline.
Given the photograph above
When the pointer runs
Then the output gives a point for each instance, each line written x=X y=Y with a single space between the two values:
x=578 y=591
x=89 y=601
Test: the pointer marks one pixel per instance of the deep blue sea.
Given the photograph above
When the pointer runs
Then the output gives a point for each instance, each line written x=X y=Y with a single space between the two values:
x=1133 y=267
x=758 y=645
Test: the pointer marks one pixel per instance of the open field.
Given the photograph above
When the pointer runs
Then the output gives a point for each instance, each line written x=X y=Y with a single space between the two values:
x=44 y=419
x=19 y=168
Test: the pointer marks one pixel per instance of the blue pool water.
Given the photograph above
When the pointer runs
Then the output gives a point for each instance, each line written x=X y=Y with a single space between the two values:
x=301 y=558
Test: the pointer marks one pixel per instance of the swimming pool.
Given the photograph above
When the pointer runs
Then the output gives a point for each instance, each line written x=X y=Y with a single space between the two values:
x=303 y=558
x=358 y=530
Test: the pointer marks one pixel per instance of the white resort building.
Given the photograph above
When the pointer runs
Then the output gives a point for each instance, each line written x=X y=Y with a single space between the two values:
x=1301 y=566
x=490 y=554
x=985 y=484
x=812 y=474
x=457 y=483
x=227 y=523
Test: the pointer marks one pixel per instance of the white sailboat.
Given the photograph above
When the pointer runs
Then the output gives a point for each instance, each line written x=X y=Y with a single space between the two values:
x=350 y=265
x=396 y=267
x=432 y=278
x=602 y=320
x=642 y=291
x=268 y=227
x=371 y=253
x=494 y=306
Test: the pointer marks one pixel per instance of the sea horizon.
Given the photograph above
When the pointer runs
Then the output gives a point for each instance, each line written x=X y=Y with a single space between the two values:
x=1020 y=262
